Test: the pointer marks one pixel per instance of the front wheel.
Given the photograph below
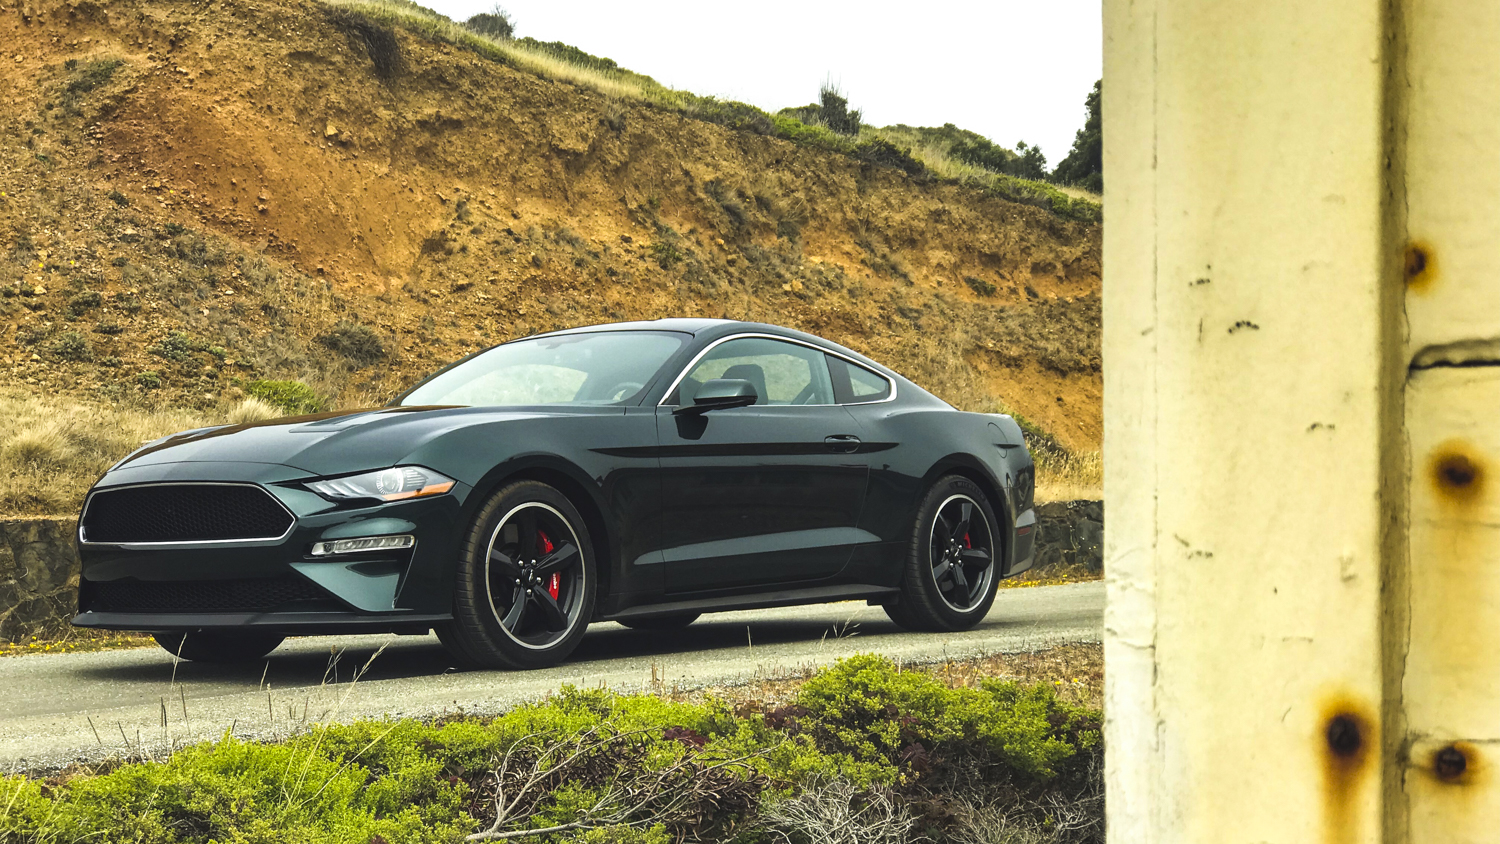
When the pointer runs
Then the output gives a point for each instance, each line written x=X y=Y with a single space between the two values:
x=952 y=565
x=213 y=646
x=525 y=590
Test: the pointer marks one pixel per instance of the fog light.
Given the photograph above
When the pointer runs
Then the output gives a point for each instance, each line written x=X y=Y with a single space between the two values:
x=364 y=543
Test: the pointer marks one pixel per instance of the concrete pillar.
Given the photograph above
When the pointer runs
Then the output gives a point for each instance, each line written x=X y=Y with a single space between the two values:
x=1302 y=403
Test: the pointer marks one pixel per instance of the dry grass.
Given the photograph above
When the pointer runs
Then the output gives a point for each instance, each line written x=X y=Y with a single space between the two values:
x=52 y=449
x=75 y=641
x=1070 y=476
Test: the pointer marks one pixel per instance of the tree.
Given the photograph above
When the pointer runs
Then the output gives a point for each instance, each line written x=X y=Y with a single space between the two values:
x=1030 y=163
x=1084 y=165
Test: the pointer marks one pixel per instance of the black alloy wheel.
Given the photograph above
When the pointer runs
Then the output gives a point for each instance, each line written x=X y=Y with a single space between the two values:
x=215 y=646
x=951 y=574
x=959 y=549
x=526 y=581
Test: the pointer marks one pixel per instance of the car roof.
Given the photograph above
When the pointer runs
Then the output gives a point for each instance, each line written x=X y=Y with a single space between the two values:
x=684 y=325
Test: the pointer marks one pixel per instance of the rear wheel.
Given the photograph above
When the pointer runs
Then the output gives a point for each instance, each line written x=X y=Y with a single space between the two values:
x=951 y=568
x=661 y=622
x=215 y=646
x=525 y=590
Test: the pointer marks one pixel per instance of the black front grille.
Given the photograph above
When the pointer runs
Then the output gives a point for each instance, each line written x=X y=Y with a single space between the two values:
x=199 y=595
x=184 y=513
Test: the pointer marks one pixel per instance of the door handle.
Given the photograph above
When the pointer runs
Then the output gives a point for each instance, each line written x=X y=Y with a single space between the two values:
x=842 y=443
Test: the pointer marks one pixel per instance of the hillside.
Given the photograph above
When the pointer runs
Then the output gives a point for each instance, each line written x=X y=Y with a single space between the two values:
x=196 y=196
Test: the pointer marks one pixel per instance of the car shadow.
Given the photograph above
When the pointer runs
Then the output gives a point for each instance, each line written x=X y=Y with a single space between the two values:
x=314 y=661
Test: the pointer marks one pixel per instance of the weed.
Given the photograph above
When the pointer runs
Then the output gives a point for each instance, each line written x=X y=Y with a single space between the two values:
x=294 y=397
x=92 y=75
x=666 y=255
x=118 y=198
x=149 y=378
x=109 y=328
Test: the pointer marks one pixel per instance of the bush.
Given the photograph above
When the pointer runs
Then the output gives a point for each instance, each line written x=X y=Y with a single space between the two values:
x=177 y=346
x=149 y=379
x=877 y=714
x=73 y=346
x=84 y=302
x=294 y=397
x=496 y=24
x=355 y=342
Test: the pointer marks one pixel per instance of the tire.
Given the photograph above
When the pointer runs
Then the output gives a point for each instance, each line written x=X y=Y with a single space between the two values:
x=217 y=646
x=661 y=622
x=952 y=565
x=508 y=610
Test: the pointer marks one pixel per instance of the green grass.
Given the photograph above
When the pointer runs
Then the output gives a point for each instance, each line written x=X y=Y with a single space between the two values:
x=899 y=147
x=863 y=721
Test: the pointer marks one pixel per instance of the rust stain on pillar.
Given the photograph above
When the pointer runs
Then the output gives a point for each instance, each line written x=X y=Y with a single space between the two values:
x=1347 y=746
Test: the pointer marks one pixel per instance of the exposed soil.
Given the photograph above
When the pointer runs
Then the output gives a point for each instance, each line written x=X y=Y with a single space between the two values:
x=247 y=176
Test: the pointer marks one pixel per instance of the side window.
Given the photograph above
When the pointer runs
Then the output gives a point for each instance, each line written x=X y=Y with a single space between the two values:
x=853 y=384
x=782 y=373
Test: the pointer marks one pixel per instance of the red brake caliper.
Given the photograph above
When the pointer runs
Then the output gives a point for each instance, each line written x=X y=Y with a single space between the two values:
x=554 y=585
x=967 y=543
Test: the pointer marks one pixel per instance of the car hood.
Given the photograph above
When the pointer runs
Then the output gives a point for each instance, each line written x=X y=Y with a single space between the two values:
x=325 y=443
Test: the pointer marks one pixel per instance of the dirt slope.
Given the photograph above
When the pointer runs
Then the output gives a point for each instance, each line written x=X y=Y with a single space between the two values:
x=241 y=172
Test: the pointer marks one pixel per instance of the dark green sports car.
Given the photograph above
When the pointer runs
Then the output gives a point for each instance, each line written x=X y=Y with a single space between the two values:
x=643 y=473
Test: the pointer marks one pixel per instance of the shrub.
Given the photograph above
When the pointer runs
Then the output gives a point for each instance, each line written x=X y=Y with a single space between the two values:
x=149 y=379
x=84 y=302
x=878 y=714
x=495 y=24
x=294 y=397
x=177 y=346
x=354 y=341
x=73 y=346
x=979 y=285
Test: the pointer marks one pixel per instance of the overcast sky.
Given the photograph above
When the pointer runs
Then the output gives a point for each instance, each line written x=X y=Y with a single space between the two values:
x=1009 y=70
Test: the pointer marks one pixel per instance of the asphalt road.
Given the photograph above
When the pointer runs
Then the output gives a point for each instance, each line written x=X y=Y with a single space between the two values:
x=55 y=709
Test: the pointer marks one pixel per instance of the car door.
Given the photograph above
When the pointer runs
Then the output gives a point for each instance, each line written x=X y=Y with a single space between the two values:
x=765 y=494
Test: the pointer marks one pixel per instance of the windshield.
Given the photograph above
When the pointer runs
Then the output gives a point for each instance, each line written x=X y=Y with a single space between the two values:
x=605 y=367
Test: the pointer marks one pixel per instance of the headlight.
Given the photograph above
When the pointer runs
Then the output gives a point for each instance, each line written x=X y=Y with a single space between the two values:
x=393 y=484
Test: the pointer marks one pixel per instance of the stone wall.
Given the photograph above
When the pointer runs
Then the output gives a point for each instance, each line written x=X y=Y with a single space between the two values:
x=38 y=576
x=39 y=564
x=1070 y=534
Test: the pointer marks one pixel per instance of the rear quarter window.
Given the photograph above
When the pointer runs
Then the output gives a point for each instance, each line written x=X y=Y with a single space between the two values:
x=855 y=384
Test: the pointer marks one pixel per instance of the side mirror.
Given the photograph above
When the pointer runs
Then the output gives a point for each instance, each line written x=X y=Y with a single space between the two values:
x=721 y=393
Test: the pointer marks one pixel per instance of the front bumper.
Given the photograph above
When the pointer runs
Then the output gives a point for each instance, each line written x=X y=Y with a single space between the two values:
x=277 y=585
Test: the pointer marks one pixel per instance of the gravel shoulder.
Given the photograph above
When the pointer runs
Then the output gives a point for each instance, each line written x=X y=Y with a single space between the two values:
x=63 y=708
